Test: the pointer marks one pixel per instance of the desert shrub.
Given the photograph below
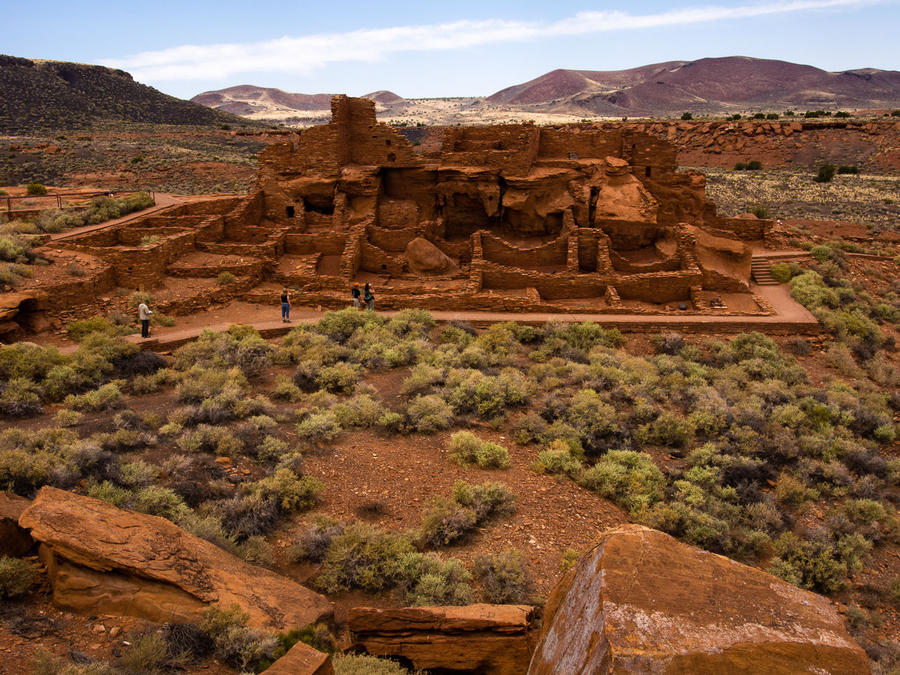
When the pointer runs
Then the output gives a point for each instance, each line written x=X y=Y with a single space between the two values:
x=486 y=395
x=845 y=169
x=340 y=325
x=428 y=580
x=137 y=473
x=422 y=378
x=290 y=492
x=286 y=390
x=760 y=210
x=528 y=428
x=313 y=543
x=363 y=557
x=487 y=500
x=359 y=411
x=558 y=459
x=687 y=116
x=446 y=522
x=110 y=492
x=359 y=664
x=239 y=346
x=67 y=418
x=247 y=515
x=597 y=423
x=20 y=397
x=629 y=478
x=211 y=439
x=319 y=427
x=819 y=564
x=107 y=397
x=503 y=578
x=224 y=278
x=781 y=272
x=35 y=189
x=26 y=359
x=754 y=165
x=146 y=654
x=670 y=429
x=340 y=378
x=271 y=449
x=160 y=501
x=428 y=414
x=465 y=448
x=416 y=322
x=16 y=576
x=187 y=640
x=668 y=343
x=236 y=643
x=80 y=329
x=139 y=363
x=740 y=166
x=826 y=173
x=306 y=376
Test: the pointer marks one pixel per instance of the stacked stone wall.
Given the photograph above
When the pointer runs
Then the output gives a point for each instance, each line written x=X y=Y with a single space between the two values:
x=495 y=249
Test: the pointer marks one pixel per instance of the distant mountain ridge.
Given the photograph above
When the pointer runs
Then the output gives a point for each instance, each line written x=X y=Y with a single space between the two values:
x=59 y=95
x=709 y=86
x=705 y=85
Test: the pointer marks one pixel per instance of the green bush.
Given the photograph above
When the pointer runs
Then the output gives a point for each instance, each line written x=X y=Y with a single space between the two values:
x=826 y=173
x=363 y=557
x=35 y=189
x=558 y=459
x=629 y=478
x=428 y=414
x=819 y=565
x=754 y=165
x=466 y=448
x=290 y=492
x=319 y=427
x=20 y=397
x=107 y=397
x=781 y=272
x=687 y=116
x=236 y=643
x=358 y=664
x=504 y=578
x=16 y=576
x=761 y=211
x=224 y=278
x=446 y=522
x=845 y=169
x=487 y=500
x=428 y=580
x=340 y=378
x=78 y=330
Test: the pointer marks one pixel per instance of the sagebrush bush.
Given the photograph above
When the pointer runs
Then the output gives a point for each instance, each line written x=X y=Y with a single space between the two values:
x=236 y=643
x=16 y=576
x=466 y=448
x=428 y=414
x=107 y=397
x=504 y=578
x=446 y=522
x=629 y=478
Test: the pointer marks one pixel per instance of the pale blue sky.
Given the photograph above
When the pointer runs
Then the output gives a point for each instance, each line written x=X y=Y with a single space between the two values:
x=461 y=48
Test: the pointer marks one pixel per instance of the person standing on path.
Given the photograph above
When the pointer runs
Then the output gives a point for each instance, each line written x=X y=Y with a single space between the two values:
x=369 y=297
x=144 y=315
x=354 y=293
x=285 y=306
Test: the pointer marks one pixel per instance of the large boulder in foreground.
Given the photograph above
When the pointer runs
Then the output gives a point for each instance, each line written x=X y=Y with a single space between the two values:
x=106 y=560
x=479 y=638
x=641 y=602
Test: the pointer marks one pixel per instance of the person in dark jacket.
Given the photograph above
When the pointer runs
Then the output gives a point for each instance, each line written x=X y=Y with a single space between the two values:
x=285 y=306
x=354 y=293
x=369 y=297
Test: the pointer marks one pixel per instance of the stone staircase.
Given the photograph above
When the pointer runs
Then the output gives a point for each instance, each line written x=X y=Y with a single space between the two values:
x=761 y=271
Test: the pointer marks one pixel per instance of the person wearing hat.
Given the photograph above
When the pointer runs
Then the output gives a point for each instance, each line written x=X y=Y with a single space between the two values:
x=354 y=293
x=285 y=306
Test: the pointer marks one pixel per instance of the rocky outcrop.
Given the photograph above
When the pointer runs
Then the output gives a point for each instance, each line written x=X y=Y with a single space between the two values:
x=725 y=263
x=426 y=258
x=475 y=638
x=302 y=659
x=14 y=541
x=640 y=601
x=107 y=560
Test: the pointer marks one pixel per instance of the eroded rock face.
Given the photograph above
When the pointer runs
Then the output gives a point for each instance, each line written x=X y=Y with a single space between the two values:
x=475 y=638
x=153 y=562
x=302 y=659
x=426 y=258
x=642 y=602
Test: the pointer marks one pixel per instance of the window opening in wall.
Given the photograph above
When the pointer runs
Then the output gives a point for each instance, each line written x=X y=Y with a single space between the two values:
x=392 y=157
x=647 y=171
x=387 y=141
x=289 y=211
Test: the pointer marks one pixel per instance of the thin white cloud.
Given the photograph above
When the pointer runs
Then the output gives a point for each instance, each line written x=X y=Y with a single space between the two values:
x=303 y=54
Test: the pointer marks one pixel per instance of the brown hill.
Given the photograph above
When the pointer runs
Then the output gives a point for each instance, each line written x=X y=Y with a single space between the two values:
x=59 y=95
x=247 y=99
x=706 y=85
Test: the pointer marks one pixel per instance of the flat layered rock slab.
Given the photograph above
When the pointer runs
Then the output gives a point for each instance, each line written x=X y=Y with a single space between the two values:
x=642 y=602
x=302 y=659
x=95 y=535
x=474 y=638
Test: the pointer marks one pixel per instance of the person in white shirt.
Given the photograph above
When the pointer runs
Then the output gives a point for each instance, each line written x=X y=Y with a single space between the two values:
x=144 y=315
